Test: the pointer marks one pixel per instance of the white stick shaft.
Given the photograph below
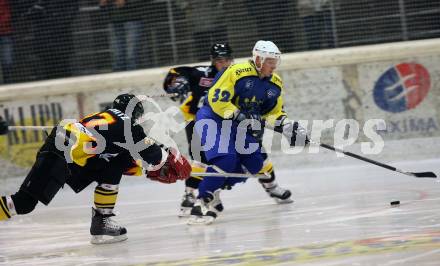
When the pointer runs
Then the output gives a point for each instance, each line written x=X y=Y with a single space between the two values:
x=30 y=127
x=240 y=175
x=220 y=173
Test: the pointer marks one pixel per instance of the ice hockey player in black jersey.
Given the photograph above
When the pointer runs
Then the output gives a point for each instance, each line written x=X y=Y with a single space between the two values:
x=93 y=150
x=189 y=85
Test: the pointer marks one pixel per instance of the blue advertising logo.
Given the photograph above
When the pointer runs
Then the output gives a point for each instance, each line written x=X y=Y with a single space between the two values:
x=402 y=87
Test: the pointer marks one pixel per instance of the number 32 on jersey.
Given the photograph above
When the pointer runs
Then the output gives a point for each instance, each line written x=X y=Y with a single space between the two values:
x=221 y=95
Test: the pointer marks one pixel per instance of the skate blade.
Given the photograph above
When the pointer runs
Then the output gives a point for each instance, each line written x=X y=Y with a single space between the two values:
x=104 y=239
x=196 y=220
x=184 y=212
x=285 y=201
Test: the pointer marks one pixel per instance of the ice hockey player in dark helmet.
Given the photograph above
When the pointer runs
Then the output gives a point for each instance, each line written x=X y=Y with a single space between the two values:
x=81 y=163
x=221 y=50
x=122 y=102
x=190 y=84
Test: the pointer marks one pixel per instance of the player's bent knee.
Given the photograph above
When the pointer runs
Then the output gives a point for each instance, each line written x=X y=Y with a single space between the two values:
x=253 y=162
x=23 y=202
x=47 y=176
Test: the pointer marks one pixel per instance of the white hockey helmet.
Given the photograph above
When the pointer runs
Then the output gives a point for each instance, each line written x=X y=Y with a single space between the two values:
x=266 y=49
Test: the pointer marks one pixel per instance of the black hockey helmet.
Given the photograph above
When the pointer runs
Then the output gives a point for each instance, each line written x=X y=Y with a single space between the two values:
x=121 y=102
x=221 y=50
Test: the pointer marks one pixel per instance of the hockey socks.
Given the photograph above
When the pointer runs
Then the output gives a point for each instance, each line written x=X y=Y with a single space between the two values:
x=105 y=198
x=7 y=209
x=280 y=194
x=188 y=201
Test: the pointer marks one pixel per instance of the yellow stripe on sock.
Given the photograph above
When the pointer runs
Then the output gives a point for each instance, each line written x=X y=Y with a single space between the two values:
x=106 y=192
x=4 y=211
x=197 y=169
x=105 y=199
x=108 y=206
x=197 y=177
x=267 y=168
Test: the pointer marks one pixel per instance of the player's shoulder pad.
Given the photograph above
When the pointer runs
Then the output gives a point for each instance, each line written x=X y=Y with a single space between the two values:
x=276 y=79
x=173 y=71
x=241 y=70
x=201 y=70
x=180 y=70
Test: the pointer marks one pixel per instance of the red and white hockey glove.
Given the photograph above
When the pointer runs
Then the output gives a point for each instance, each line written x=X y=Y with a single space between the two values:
x=176 y=167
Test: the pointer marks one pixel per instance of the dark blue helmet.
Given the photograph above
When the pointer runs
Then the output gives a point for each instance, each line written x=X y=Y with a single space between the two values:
x=221 y=50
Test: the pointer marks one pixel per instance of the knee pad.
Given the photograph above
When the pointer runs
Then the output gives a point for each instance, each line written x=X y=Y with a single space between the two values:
x=252 y=162
x=24 y=203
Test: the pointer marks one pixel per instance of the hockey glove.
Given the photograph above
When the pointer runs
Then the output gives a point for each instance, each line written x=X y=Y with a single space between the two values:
x=293 y=131
x=175 y=168
x=254 y=124
x=3 y=126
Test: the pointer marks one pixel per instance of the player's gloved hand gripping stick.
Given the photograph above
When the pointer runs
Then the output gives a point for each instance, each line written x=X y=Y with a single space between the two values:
x=176 y=167
x=253 y=122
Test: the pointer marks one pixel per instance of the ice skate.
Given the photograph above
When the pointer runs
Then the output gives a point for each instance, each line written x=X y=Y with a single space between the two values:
x=216 y=201
x=206 y=210
x=279 y=194
x=187 y=204
x=104 y=230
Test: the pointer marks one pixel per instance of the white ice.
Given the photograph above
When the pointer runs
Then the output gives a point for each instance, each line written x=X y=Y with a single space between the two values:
x=341 y=216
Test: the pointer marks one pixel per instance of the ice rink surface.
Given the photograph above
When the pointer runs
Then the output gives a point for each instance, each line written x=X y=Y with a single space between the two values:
x=341 y=216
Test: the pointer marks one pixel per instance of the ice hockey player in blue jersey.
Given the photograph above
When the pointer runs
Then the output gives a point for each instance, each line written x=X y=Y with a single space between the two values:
x=243 y=99
x=190 y=85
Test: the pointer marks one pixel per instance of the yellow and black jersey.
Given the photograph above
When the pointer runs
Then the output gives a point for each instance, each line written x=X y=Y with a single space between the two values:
x=98 y=135
x=240 y=87
x=200 y=80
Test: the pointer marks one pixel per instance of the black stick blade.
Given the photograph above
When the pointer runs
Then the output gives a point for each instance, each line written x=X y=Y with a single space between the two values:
x=425 y=174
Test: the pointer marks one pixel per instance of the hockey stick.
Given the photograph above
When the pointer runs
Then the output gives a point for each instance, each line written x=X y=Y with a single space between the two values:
x=221 y=173
x=239 y=175
x=30 y=127
x=162 y=95
x=389 y=167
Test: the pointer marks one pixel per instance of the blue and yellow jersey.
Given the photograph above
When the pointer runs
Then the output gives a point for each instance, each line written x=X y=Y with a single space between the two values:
x=240 y=87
